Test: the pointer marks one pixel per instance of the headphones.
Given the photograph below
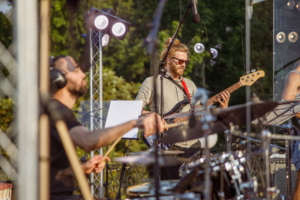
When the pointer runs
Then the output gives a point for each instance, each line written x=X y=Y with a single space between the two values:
x=57 y=77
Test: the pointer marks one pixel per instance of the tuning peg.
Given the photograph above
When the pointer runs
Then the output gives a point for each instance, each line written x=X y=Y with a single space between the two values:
x=253 y=70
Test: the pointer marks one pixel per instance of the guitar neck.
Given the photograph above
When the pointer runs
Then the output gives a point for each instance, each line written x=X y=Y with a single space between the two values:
x=214 y=99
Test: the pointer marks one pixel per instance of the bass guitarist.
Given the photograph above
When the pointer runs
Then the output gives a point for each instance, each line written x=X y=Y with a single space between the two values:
x=175 y=89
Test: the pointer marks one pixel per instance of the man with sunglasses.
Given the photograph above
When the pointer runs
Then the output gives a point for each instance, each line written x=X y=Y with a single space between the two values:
x=175 y=90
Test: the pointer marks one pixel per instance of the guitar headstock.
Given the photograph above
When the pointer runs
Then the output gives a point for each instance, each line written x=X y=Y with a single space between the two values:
x=249 y=79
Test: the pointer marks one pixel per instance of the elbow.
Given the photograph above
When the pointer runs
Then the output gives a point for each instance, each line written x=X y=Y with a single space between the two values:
x=87 y=146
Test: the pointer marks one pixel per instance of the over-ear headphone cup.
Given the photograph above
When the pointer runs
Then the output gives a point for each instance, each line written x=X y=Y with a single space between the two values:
x=57 y=80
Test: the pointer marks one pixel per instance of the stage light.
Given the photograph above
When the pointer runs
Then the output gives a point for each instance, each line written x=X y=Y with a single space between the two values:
x=118 y=29
x=280 y=37
x=199 y=48
x=105 y=39
x=298 y=6
x=293 y=37
x=107 y=22
x=101 y=22
x=214 y=52
x=290 y=4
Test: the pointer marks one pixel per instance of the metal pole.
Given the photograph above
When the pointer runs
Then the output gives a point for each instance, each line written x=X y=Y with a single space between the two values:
x=91 y=98
x=101 y=104
x=26 y=35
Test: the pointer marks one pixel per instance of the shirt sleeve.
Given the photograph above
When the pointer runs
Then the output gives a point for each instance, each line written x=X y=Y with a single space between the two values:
x=145 y=93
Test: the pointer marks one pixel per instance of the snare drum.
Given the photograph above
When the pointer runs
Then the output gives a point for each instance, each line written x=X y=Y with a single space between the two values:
x=148 y=189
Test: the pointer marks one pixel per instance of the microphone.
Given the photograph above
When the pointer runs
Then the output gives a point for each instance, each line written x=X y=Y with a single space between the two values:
x=196 y=16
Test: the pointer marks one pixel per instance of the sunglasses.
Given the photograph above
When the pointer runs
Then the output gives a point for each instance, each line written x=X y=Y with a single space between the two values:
x=181 y=61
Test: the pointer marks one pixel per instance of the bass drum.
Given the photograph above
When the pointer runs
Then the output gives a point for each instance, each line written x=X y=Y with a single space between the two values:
x=229 y=175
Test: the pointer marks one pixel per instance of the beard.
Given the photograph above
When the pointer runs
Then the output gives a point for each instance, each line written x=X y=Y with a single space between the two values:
x=175 y=70
x=77 y=92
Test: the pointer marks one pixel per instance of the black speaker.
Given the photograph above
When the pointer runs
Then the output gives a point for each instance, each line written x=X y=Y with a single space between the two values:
x=286 y=43
x=57 y=77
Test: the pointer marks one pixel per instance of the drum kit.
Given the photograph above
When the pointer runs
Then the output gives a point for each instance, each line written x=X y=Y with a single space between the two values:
x=224 y=175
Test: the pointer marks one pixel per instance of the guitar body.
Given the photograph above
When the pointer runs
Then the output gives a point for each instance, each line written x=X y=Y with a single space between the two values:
x=246 y=80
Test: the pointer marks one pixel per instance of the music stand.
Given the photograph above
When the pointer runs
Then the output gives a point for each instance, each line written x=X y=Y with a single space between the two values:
x=118 y=113
x=281 y=114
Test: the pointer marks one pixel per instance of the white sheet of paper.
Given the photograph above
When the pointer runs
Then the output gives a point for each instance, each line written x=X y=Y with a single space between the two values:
x=124 y=111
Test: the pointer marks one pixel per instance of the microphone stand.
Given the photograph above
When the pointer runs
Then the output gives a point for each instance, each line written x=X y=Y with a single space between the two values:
x=163 y=61
x=151 y=42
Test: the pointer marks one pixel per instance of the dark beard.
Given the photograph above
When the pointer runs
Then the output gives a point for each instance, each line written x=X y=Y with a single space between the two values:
x=78 y=92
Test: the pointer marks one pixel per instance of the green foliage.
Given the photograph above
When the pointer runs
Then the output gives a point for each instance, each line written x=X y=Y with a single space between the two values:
x=5 y=30
x=6 y=113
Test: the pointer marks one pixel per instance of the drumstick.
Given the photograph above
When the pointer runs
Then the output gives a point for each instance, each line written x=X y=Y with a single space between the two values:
x=111 y=148
x=176 y=124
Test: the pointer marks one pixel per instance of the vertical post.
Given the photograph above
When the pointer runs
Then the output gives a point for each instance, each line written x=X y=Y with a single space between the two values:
x=91 y=97
x=26 y=35
x=248 y=16
x=44 y=136
x=96 y=100
x=101 y=104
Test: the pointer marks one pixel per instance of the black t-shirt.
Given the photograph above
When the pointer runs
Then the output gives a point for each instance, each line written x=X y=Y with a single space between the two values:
x=59 y=159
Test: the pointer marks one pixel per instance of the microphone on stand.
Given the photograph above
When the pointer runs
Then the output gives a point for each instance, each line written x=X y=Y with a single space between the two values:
x=196 y=16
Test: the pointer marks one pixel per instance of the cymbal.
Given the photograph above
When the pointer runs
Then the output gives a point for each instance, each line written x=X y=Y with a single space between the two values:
x=237 y=114
x=160 y=152
x=149 y=159
x=234 y=114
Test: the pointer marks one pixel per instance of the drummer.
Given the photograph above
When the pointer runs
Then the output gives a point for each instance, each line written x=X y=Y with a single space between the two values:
x=176 y=89
x=67 y=85
x=291 y=91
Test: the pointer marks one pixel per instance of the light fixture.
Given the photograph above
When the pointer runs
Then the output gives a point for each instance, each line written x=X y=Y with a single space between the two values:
x=101 y=22
x=280 y=37
x=107 y=22
x=199 y=48
x=105 y=39
x=293 y=37
x=290 y=4
x=214 y=52
x=298 y=6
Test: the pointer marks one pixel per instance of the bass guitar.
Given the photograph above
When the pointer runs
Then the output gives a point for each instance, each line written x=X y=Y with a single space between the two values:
x=246 y=80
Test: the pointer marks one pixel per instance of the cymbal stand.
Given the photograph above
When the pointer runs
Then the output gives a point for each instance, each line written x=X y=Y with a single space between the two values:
x=202 y=95
x=288 y=162
x=266 y=143
x=228 y=137
x=124 y=165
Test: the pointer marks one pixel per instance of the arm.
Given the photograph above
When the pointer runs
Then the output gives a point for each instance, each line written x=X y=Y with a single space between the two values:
x=291 y=84
x=145 y=93
x=90 y=140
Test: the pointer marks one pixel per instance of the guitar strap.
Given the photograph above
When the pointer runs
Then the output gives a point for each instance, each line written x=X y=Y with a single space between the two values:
x=183 y=87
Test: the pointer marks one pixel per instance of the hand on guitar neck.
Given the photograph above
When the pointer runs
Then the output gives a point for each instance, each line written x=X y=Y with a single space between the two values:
x=223 y=99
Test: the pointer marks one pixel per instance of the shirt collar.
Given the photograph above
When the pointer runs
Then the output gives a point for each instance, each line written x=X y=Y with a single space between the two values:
x=167 y=75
